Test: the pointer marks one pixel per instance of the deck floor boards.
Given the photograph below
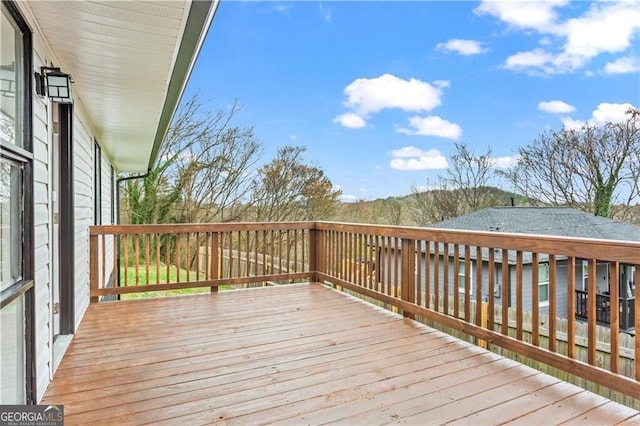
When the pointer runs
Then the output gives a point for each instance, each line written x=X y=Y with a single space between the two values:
x=298 y=354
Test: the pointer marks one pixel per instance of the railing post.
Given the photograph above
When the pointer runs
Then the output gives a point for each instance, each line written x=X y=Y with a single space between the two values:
x=408 y=278
x=94 y=278
x=313 y=251
x=214 y=260
x=636 y=312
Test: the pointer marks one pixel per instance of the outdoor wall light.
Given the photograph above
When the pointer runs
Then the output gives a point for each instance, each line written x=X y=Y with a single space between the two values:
x=54 y=84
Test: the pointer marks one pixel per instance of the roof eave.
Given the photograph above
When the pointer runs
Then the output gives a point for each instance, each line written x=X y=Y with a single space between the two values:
x=198 y=22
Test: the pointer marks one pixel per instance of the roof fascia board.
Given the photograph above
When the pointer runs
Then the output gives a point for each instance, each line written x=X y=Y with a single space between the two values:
x=199 y=20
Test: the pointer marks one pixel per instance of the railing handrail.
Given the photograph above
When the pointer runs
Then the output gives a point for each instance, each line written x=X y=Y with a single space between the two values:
x=133 y=229
x=617 y=250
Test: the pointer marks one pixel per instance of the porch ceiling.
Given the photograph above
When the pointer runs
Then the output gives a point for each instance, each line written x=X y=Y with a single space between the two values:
x=130 y=62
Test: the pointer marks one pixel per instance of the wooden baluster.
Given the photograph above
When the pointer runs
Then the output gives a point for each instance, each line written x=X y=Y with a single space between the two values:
x=519 y=295
x=553 y=275
x=535 y=299
x=571 y=307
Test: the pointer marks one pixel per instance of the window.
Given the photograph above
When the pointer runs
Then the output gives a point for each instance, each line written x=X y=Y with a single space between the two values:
x=543 y=284
x=462 y=275
x=11 y=80
x=11 y=219
x=12 y=352
x=16 y=211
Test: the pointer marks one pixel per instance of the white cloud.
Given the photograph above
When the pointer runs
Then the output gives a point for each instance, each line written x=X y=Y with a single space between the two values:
x=325 y=12
x=282 y=8
x=537 y=15
x=606 y=27
x=626 y=65
x=371 y=95
x=462 y=47
x=610 y=113
x=536 y=58
x=407 y=151
x=348 y=198
x=504 y=162
x=604 y=113
x=411 y=158
x=350 y=120
x=442 y=84
x=293 y=137
x=432 y=126
x=556 y=107
x=571 y=124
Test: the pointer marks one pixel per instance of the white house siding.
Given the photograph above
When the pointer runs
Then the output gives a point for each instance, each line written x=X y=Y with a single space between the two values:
x=106 y=212
x=83 y=199
x=83 y=205
x=42 y=239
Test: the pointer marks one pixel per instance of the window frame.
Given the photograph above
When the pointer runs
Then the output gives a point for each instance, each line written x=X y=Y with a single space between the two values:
x=23 y=154
x=97 y=182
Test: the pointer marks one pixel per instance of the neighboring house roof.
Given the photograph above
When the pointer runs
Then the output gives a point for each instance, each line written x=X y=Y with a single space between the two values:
x=553 y=221
x=130 y=61
x=556 y=221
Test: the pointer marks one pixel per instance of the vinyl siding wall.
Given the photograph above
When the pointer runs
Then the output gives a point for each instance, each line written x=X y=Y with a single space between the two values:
x=42 y=223
x=84 y=212
x=83 y=205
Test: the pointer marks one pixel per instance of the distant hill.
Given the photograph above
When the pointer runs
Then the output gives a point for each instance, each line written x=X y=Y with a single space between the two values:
x=403 y=210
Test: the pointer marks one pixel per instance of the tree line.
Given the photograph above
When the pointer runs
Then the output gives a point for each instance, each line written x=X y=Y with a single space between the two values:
x=207 y=172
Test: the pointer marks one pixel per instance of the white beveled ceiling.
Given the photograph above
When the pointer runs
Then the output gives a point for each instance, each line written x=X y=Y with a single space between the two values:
x=129 y=61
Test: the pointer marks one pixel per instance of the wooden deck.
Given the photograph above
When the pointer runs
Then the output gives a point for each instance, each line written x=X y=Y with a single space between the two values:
x=298 y=354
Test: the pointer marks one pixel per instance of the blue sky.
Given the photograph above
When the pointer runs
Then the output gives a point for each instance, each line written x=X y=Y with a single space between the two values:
x=380 y=92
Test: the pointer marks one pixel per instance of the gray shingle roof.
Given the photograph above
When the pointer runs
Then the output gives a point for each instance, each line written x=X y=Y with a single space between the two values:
x=557 y=221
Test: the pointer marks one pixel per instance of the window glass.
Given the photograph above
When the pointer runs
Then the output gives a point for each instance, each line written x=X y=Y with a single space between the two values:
x=11 y=219
x=543 y=283
x=462 y=275
x=12 y=353
x=543 y=293
x=11 y=85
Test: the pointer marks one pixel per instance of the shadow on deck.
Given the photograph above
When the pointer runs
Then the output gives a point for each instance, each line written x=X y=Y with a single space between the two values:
x=297 y=354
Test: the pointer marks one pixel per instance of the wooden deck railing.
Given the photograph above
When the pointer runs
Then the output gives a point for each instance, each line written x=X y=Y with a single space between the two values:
x=466 y=281
x=603 y=309
x=142 y=258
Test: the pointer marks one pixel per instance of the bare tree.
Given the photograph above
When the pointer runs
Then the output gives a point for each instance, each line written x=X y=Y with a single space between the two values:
x=463 y=189
x=391 y=211
x=203 y=170
x=288 y=189
x=591 y=168
x=359 y=212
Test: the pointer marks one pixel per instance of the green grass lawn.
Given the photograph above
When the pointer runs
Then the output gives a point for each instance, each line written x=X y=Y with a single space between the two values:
x=161 y=276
